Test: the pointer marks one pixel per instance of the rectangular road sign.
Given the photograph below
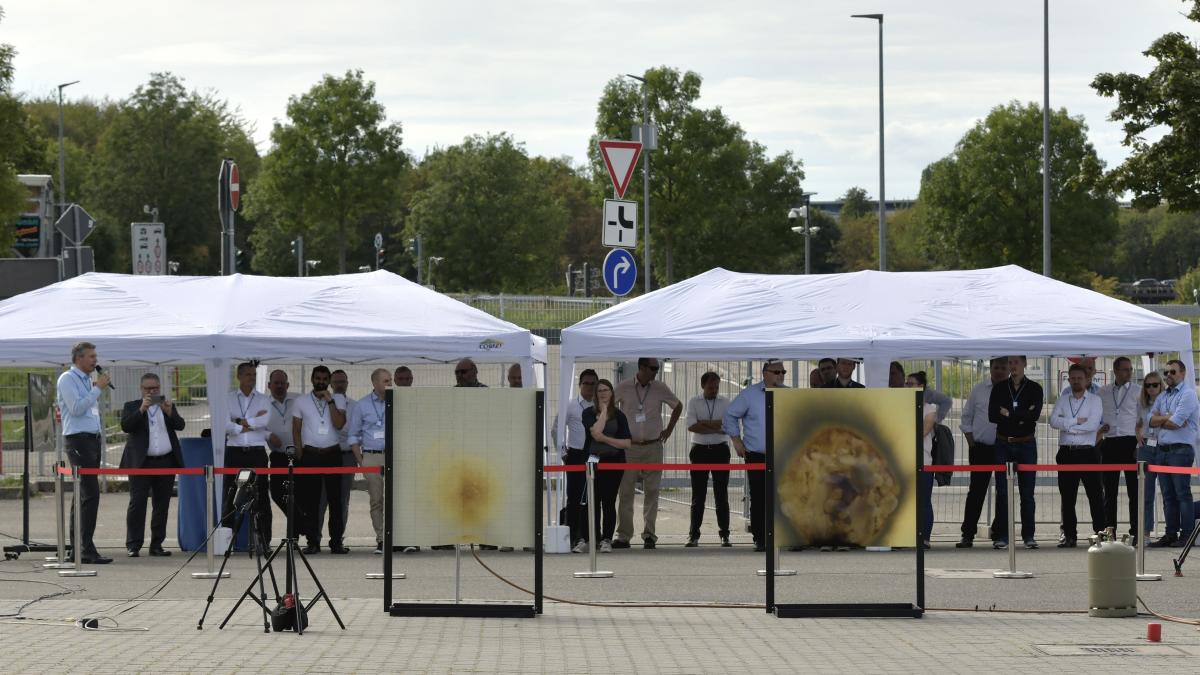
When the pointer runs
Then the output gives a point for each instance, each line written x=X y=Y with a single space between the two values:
x=149 y=255
x=620 y=223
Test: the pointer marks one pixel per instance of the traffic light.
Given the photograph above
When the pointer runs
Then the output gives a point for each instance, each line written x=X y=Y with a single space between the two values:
x=237 y=260
x=379 y=258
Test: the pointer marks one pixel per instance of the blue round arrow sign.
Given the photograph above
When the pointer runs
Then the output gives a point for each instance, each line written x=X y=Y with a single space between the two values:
x=620 y=271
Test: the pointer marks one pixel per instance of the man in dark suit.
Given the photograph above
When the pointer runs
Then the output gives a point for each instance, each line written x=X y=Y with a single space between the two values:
x=150 y=424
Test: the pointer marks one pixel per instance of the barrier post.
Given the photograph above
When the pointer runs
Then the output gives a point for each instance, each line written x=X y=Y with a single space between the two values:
x=209 y=486
x=778 y=572
x=59 y=562
x=1141 y=526
x=75 y=543
x=1010 y=472
x=593 y=534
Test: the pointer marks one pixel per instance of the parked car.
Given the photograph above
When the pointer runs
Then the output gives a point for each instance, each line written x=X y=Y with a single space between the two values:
x=1145 y=283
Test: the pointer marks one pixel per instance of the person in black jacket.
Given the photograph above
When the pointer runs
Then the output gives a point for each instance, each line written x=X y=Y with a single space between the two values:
x=151 y=443
x=608 y=438
x=1014 y=407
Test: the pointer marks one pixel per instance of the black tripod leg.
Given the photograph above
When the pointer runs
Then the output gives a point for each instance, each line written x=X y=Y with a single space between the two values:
x=257 y=543
x=216 y=581
x=1187 y=547
x=321 y=594
x=249 y=592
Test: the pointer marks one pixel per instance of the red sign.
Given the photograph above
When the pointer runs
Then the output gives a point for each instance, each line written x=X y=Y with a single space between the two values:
x=235 y=189
x=620 y=157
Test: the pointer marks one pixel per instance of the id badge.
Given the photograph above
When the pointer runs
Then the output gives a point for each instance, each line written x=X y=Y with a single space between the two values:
x=378 y=434
x=639 y=418
x=1151 y=442
x=323 y=428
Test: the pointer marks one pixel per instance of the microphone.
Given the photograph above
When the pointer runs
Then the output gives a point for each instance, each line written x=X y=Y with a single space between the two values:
x=101 y=371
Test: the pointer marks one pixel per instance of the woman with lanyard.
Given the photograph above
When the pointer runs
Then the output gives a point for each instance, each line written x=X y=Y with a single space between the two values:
x=1152 y=387
x=607 y=440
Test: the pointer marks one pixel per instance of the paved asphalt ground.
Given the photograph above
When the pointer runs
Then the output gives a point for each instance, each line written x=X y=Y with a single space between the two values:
x=1035 y=622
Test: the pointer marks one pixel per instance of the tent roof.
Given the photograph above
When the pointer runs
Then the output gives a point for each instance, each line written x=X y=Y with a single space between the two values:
x=1003 y=310
x=376 y=316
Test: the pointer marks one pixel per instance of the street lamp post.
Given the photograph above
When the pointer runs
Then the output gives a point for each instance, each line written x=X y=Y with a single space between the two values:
x=62 y=154
x=882 y=222
x=807 y=229
x=646 y=148
x=1046 y=138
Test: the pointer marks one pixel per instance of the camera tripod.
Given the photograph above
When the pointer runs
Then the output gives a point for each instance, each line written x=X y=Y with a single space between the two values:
x=244 y=505
x=291 y=549
x=1187 y=546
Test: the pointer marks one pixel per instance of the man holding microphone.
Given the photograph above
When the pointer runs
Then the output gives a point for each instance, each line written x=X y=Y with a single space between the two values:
x=79 y=402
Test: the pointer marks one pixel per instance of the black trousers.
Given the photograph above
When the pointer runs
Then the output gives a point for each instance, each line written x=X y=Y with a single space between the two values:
x=757 y=480
x=710 y=454
x=158 y=490
x=1068 y=487
x=1119 y=450
x=83 y=451
x=980 y=453
x=347 y=486
x=575 y=511
x=608 y=484
x=252 y=457
x=309 y=493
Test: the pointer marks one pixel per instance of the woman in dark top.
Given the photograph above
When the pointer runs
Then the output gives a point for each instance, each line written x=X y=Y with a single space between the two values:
x=607 y=439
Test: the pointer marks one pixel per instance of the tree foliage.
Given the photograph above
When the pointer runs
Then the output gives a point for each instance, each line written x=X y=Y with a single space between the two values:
x=14 y=147
x=336 y=170
x=982 y=205
x=484 y=207
x=716 y=199
x=1156 y=243
x=1167 y=100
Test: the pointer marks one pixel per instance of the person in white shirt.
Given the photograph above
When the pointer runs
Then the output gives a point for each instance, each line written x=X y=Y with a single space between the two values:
x=339 y=382
x=246 y=444
x=1077 y=417
x=1118 y=431
x=316 y=420
x=981 y=448
x=151 y=424
x=571 y=450
x=279 y=435
x=710 y=445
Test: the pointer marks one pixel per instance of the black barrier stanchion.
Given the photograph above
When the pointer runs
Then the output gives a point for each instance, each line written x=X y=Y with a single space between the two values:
x=1010 y=472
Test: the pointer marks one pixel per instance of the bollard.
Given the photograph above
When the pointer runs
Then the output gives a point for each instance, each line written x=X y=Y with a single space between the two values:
x=1141 y=527
x=778 y=572
x=209 y=485
x=1010 y=472
x=59 y=562
x=593 y=534
x=78 y=570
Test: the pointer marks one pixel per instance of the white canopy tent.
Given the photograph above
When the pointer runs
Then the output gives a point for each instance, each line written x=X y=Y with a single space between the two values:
x=878 y=316
x=376 y=317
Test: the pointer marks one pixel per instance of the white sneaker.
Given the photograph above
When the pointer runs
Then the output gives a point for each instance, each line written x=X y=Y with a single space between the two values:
x=606 y=546
x=581 y=546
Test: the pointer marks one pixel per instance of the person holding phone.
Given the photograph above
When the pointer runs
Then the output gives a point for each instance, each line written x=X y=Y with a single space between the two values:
x=607 y=440
x=151 y=424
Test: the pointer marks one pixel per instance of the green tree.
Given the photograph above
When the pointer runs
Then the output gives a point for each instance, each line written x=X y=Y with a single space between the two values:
x=858 y=248
x=982 y=205
x=716 y=199
x=855 y=203
x=484 y=208
x=1155 y=243
x=163 y=148
x=334 y=174
x=573 y=186
x=14 y=146
x=1164 y=104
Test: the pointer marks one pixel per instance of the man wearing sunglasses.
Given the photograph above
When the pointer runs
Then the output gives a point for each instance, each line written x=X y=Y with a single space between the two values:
x=746 y=425
x=642 y=398
x=1173 y=426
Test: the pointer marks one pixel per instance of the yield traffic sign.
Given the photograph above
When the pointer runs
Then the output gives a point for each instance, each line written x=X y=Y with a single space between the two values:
x=620 y=271
x=620 y=223
x=620 y=157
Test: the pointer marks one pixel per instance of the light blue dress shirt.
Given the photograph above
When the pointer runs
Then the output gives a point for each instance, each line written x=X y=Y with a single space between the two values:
x=78 y=401
x=747 y=417
x=367 y=423
x=1182 y=406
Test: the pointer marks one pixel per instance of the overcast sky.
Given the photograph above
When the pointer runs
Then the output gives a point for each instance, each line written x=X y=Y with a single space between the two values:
x=798 y=75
